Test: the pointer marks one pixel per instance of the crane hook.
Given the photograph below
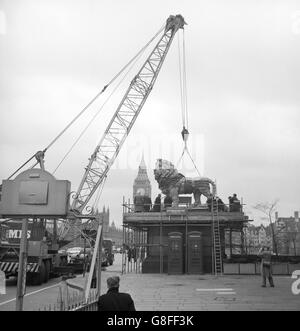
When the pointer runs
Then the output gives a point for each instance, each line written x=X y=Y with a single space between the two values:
x=185 y=134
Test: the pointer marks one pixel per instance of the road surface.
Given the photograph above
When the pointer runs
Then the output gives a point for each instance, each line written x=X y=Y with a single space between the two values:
x=40 y=297
x=36 y=296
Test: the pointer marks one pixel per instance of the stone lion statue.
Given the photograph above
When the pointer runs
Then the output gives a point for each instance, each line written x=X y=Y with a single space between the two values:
x=173 y=183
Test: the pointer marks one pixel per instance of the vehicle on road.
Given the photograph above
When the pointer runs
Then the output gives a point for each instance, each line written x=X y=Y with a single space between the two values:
x=108 y=246
x=44 y=258
x=73 y=253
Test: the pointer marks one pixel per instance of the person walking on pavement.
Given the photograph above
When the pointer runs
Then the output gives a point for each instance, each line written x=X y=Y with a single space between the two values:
x=266 y=265
x=114 y=300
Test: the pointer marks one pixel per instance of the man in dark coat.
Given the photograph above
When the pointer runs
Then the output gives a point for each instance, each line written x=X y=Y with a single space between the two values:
x=113 y=300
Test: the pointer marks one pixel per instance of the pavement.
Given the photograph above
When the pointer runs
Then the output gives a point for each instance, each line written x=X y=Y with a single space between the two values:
x=155 y=292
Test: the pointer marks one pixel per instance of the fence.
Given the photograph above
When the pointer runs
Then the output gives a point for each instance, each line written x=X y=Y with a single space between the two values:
x=150 y=208
x=73 y=301
x=255 y=268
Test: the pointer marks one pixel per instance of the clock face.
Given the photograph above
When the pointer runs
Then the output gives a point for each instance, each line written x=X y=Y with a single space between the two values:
x=140 y=191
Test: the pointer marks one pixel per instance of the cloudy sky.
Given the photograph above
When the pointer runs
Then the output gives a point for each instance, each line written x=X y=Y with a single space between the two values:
x=243 y=78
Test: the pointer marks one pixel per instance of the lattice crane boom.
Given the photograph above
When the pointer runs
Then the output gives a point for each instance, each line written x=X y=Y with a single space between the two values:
x=125 y=116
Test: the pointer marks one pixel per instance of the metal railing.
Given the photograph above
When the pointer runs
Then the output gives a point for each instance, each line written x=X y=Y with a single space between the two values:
x=152 y=208
x=73 y=301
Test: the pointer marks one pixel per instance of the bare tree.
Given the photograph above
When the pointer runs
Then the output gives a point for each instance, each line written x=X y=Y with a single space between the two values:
x=268 y=209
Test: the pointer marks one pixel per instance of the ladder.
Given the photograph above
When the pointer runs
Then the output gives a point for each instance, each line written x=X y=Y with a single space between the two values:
x=217 y=248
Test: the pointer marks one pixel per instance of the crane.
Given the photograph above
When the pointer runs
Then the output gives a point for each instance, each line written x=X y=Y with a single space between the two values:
x=111 y=142
x=125 y=116
x=119 y=126
x=122 y=121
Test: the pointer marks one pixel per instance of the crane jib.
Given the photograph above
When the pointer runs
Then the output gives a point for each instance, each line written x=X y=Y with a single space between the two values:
x=125 y=116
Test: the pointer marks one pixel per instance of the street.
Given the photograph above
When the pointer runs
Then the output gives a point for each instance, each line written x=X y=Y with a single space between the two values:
x=41 y=297
x=172 y=292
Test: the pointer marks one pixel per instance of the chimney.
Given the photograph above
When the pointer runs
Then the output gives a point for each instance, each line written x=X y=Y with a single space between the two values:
x=276 y=216
x=296 y=215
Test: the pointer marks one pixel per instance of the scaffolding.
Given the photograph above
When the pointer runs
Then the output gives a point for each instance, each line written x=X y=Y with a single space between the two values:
x=145 y=234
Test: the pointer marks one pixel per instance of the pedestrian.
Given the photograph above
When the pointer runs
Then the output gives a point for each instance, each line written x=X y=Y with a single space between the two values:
x=129 y=254
x=114 y=300
x=266 y=265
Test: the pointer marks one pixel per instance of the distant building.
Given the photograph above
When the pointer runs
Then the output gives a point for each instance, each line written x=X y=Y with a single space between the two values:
x=142 y=185
x=288 y=234
x=254 y=237
x=115 y=234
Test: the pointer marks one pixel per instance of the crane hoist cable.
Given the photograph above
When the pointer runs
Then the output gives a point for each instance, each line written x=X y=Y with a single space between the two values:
x=181 y=81
x=184 y=85
x=183 y=94
x=41 y=153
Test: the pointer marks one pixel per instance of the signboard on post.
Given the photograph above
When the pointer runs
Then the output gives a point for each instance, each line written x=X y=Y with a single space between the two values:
x=21 y=287
x=97 y=253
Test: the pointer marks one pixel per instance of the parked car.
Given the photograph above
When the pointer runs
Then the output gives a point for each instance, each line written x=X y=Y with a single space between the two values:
x=73 y=253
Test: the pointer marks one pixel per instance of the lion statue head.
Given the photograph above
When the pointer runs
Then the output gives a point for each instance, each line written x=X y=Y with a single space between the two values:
x=166 y=175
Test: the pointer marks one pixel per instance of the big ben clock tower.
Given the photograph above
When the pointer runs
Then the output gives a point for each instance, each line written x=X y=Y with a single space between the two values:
x=141 y=185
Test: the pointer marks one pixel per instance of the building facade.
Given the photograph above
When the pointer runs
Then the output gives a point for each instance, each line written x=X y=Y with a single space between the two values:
x=288 y=234
x=255 y=237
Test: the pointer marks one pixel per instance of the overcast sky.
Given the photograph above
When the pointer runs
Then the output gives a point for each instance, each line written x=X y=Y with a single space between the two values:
x=243 y=78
